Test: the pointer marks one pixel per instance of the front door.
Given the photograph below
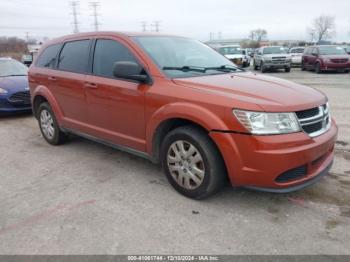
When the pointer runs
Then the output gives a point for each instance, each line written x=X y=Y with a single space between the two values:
x=115 y=106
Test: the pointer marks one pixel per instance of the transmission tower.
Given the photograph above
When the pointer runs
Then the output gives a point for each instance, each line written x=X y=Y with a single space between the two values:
x=156 y=25
x=144 y=26
x=95 y=14
x=74 y=5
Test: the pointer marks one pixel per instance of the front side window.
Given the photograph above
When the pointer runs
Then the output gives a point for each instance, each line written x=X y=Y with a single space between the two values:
x=74 y=56
x=108 y=52
x=9 y=67
x=48 y=56
x=183 y=57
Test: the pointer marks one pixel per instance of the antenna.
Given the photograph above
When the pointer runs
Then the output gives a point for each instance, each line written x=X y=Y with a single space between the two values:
x=74 y=5
x=95 y=5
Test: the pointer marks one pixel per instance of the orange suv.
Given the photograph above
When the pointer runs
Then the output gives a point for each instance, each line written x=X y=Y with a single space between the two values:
x=177 y=102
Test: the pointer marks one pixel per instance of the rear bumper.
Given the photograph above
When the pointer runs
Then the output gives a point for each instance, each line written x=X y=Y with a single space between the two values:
x=259 y=161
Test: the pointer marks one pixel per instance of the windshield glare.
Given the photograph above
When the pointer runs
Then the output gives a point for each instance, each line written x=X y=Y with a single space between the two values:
x=12 y=67
x=275 y=50
x=230 y=50
x=179 y=52
x=332 y=50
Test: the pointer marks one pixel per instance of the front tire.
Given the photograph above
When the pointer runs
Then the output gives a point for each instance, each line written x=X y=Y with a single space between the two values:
x=262 y=68
x=192 y=163
x=48 y=125
x=287 y=69
x=255 y=65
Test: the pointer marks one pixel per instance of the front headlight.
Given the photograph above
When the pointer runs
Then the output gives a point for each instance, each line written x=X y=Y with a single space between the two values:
x=3 y=91
x=261 y=123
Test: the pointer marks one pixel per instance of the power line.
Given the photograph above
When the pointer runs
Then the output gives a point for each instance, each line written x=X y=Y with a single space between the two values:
x=74 y=5
x=95 y=14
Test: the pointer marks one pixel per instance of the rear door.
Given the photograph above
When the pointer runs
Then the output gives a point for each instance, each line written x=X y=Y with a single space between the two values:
x=68 y=82
x=116 y=106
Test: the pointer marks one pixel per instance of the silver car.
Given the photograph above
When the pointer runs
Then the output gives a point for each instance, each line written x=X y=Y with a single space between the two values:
x=272 y=57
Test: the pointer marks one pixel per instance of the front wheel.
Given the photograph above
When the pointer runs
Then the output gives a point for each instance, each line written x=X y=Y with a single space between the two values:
x=255 y=65
x=48 y=125
x=318 y=68
x=287 y=69
x=192 y=163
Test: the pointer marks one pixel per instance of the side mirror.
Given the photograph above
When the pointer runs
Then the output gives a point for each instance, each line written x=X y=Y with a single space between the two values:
x=129 y=70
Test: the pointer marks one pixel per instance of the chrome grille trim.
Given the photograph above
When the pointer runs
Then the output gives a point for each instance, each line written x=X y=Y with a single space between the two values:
x=322 y=117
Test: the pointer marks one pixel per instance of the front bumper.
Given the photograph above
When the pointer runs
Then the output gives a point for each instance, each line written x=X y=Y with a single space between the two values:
x=335 y=66
x=7 y=107
x=259 y=161
x=270 y=65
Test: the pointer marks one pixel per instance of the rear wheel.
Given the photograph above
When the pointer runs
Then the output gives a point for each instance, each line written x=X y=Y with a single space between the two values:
x=318 y=68
x=255 y=65
x=192 y=163
x=48 y=125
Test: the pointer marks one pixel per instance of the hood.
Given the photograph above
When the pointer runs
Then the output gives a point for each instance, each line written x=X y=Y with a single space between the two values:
x=335 y=56
x=234 y=56
x=14 y=83
x=276 y=56
x=248 y=90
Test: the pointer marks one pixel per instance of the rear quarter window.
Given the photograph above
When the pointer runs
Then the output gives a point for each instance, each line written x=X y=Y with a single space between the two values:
x=48 y=57
x=74 y=56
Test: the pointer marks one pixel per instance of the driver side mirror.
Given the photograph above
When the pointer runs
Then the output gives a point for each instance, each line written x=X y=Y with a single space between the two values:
x=130 y=70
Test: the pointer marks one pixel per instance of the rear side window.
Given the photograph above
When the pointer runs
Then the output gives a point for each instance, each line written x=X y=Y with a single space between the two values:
x=74 y=56
x=48 y=56
x=107 y=52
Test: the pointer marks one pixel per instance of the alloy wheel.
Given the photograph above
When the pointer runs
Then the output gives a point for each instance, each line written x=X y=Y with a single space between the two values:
x=47 y=124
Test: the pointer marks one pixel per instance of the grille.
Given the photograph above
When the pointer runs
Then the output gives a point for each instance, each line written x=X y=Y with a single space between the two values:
x=314 y=121
x=292 y=174
x=340 y=61
x=20 y=98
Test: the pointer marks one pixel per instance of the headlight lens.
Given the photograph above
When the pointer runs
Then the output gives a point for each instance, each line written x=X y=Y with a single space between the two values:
x=3 y=91
x=261 y=123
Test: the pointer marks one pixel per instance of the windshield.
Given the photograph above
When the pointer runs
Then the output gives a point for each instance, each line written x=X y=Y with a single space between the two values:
x=183 y=57
x=297 y=51
x=12 y=68
x=332 y=50
x=275 y=50
x=230 y=50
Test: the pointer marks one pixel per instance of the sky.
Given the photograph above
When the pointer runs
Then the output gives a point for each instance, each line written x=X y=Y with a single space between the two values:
x=284 y=20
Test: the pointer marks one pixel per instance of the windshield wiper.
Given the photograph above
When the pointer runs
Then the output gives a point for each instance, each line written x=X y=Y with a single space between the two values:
x=224 y=68
x=14 y=75
x=185 y=68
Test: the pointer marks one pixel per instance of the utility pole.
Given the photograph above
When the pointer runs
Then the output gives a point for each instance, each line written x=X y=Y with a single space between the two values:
x=27 y=37
x=95 y=14
x=74 y=5
x=144 y=26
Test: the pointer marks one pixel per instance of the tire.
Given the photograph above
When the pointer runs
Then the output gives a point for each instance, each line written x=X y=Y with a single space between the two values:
x=302 y=67
x=287 y=69
x=255 y=66
x=262 y=67
x=48 y=125
x=346 y=71
x=318 y=68
x=198 y=171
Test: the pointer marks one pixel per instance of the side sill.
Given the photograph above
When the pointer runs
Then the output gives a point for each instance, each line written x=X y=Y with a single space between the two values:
x=107 y=143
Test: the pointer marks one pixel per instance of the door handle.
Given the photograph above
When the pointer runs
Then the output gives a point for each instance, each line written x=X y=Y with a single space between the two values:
x=52 y=78
x=91 y=85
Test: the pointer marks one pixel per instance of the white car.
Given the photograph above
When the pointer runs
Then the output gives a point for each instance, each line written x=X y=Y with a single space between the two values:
x=236 y=54
x=296 y=54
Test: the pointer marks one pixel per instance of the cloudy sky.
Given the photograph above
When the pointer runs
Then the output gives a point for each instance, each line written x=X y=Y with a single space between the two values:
x=195 y=18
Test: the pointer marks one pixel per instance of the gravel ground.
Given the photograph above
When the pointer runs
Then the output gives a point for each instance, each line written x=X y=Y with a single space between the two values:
x=85 y=198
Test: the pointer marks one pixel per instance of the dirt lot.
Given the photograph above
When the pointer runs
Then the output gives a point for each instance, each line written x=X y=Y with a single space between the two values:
x=86 y=198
